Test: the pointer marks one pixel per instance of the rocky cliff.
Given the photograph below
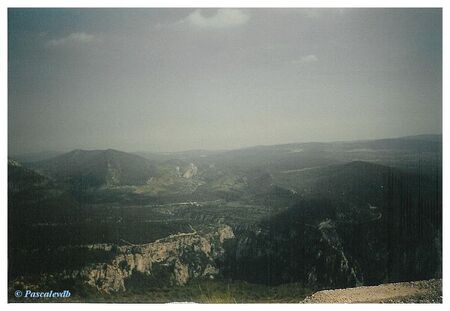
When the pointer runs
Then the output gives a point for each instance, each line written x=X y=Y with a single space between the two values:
x=173 y=260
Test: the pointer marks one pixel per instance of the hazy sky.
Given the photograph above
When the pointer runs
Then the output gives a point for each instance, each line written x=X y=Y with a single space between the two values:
x=177 y=79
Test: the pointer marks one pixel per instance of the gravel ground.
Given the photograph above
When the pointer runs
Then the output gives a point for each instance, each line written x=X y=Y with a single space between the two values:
x=407 y=292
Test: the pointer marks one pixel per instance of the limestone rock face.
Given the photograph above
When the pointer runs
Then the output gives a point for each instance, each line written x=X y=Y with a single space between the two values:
x=225 y=233
x=173 y=260
x=191 y=171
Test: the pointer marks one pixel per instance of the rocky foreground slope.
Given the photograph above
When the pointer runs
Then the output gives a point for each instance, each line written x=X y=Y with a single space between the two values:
x=406 y=292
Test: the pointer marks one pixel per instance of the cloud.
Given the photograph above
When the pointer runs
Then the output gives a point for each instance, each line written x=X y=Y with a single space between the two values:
x=72 y=39
x=222 y=18
x=307 y=59
x=324 y=12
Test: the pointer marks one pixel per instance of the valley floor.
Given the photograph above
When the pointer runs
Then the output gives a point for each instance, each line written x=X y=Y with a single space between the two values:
x=407 y=292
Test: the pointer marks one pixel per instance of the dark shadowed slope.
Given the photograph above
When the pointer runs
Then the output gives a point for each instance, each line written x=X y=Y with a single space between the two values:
x=358 y=223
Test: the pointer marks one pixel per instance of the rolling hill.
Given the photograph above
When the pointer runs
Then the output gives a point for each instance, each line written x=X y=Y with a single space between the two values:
x=84 y=169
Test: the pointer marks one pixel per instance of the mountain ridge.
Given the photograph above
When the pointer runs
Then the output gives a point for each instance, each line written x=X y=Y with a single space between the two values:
x=95 y=168
x=44 y=155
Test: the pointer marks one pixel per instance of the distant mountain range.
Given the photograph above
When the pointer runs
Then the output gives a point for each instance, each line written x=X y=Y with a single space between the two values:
x=188 y=154
x=163 y=172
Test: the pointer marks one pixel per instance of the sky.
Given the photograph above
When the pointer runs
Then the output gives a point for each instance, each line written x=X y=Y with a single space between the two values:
x=182 y=79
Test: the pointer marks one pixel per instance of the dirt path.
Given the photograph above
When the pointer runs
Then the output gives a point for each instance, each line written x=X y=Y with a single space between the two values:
x=407 y=292
x=172 y=236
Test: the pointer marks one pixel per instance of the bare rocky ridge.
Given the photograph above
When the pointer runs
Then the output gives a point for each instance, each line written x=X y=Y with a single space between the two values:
x=173 y=260
x=406 y=292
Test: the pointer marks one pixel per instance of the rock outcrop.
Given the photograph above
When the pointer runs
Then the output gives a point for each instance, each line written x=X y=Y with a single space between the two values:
x=173 y=260
x=191 y=171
